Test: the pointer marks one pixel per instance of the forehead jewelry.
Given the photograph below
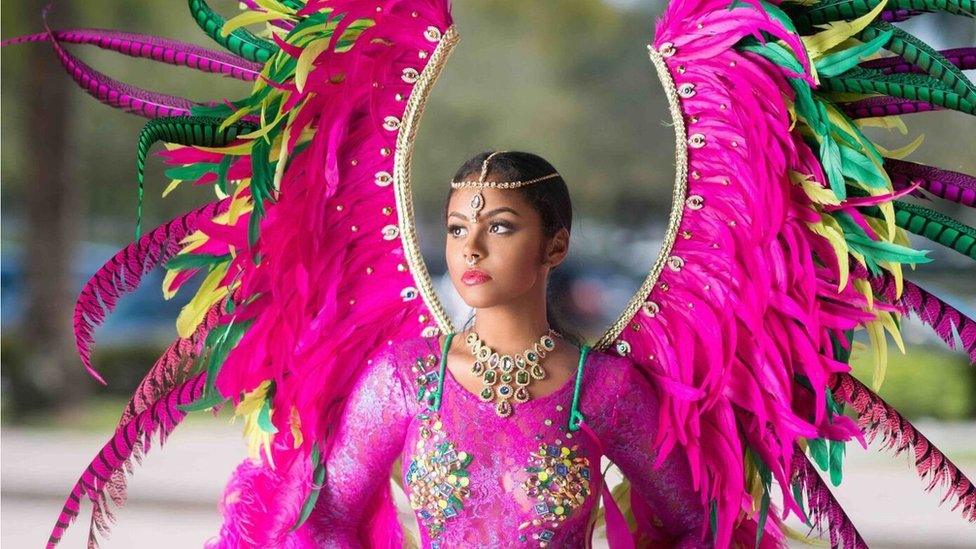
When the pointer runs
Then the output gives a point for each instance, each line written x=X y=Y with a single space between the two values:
x=478 y=200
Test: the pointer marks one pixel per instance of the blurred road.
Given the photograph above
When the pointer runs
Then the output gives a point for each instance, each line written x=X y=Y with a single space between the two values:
x=173 y=495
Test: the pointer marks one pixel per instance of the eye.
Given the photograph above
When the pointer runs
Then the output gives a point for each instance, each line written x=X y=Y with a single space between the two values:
x=500 y=227
x=456 y=230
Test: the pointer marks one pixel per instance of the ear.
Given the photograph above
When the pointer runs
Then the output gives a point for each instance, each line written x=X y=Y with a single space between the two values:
x=557 y=249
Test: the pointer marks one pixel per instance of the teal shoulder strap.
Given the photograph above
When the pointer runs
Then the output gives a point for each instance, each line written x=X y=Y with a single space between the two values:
x=575 y=416
x=434 y=399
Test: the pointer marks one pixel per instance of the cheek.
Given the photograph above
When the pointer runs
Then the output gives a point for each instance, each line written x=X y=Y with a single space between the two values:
x=451 y=253
x=521 y=259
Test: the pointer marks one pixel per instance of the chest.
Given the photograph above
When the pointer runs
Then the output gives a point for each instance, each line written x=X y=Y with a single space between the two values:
x=475 y=478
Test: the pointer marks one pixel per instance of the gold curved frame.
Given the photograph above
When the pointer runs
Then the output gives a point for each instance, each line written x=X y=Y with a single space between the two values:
x=677 y=203
x=404 y=193
x=401 y=175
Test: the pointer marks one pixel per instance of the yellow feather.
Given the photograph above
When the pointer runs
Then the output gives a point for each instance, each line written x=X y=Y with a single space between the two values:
x=830 y=229
x=297 y=38
x=295 y=422
x=901 y=152
x=243 y=149
x=171 y=187
x=265 y=129
x=272 y=5
x=210 y=292
x=191 y=242
x=234 y=117
x=888 y=321
x=882 y=226
x=839 y=120
x=886 y=122
x=888 y=213
x=219 y=192
x=837 y=32
x=249 y=408
x=813 y=189
x=879 y=347
x=306 y=60
x=249 y=18
x=864 y=288
x=895 y=269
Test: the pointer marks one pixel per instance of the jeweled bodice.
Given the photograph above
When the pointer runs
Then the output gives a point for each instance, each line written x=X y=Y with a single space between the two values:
x=476 y=479
x=526 y=480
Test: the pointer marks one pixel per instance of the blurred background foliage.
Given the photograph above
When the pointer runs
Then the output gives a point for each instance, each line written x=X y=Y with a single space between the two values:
x=567 y=79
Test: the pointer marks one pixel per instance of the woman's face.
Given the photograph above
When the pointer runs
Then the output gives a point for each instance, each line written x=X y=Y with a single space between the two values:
x=506 y=244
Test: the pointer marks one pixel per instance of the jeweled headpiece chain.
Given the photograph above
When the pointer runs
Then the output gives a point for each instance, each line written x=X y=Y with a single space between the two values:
x=478 y=200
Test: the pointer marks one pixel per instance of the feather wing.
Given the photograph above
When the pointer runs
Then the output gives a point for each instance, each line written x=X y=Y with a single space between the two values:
x=309 y=257
x=745 y=318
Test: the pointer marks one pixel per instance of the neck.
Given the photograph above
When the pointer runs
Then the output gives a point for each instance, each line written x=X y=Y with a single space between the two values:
x=512 y=327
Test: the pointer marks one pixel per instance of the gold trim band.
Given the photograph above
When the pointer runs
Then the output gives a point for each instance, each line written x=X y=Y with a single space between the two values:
x=677 y=204
x=401 y=176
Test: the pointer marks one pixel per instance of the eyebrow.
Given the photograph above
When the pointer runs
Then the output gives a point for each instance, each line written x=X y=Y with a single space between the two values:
x=490 y=213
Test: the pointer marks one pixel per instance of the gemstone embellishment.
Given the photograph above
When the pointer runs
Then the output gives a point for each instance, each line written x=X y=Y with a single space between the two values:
x=559 y=479
x=426 y=376
x=437 y=476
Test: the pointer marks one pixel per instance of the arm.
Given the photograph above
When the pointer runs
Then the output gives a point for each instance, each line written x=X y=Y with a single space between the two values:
x=369 y=438
x=668 y=491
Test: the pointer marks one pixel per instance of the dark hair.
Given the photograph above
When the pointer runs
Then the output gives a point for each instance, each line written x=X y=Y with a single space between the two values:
x=550 y=198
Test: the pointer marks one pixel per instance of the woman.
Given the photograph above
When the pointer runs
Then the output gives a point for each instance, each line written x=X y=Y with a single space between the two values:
x=480 y=467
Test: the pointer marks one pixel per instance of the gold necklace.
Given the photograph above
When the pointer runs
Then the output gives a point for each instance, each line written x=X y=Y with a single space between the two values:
x=507 y=378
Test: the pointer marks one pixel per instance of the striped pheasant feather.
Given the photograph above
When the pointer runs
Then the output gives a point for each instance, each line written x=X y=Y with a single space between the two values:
x=123 y=274
x=878 y=418
x=131 y=440
x=946 y=320
x=824 y=512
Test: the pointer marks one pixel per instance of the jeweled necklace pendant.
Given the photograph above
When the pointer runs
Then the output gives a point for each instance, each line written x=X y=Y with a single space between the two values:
x=507 y=378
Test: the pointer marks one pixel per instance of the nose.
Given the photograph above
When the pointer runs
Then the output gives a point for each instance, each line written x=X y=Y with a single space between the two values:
x=473 y=251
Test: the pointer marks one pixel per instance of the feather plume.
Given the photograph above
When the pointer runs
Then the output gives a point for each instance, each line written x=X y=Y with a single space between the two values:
x=947 y=321
x=132 y=439
x=123 y=274
x=163 y=50
x=824 y=511
x=878 y=418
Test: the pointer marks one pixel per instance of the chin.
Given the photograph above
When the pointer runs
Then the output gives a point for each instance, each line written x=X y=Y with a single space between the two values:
x=477 y=297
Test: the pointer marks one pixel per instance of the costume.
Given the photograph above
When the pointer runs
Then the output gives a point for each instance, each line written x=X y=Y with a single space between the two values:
x=785 y=237
x=490 y=470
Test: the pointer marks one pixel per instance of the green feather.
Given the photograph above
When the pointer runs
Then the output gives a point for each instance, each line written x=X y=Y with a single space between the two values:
x=933 y=225
x=264 y=417
x=318 y=477
x=923 y=56
x=241 y=41
x=917 y=87
x=818 y=451
x=836 y=63
x=875 y=250
x=195 y=261
x=836 y=461
x=191 y=171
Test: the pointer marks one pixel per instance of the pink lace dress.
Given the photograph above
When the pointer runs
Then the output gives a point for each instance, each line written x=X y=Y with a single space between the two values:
x=477 y=479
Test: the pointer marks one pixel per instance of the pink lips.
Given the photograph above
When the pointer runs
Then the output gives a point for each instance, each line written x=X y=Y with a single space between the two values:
x=472 y=277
